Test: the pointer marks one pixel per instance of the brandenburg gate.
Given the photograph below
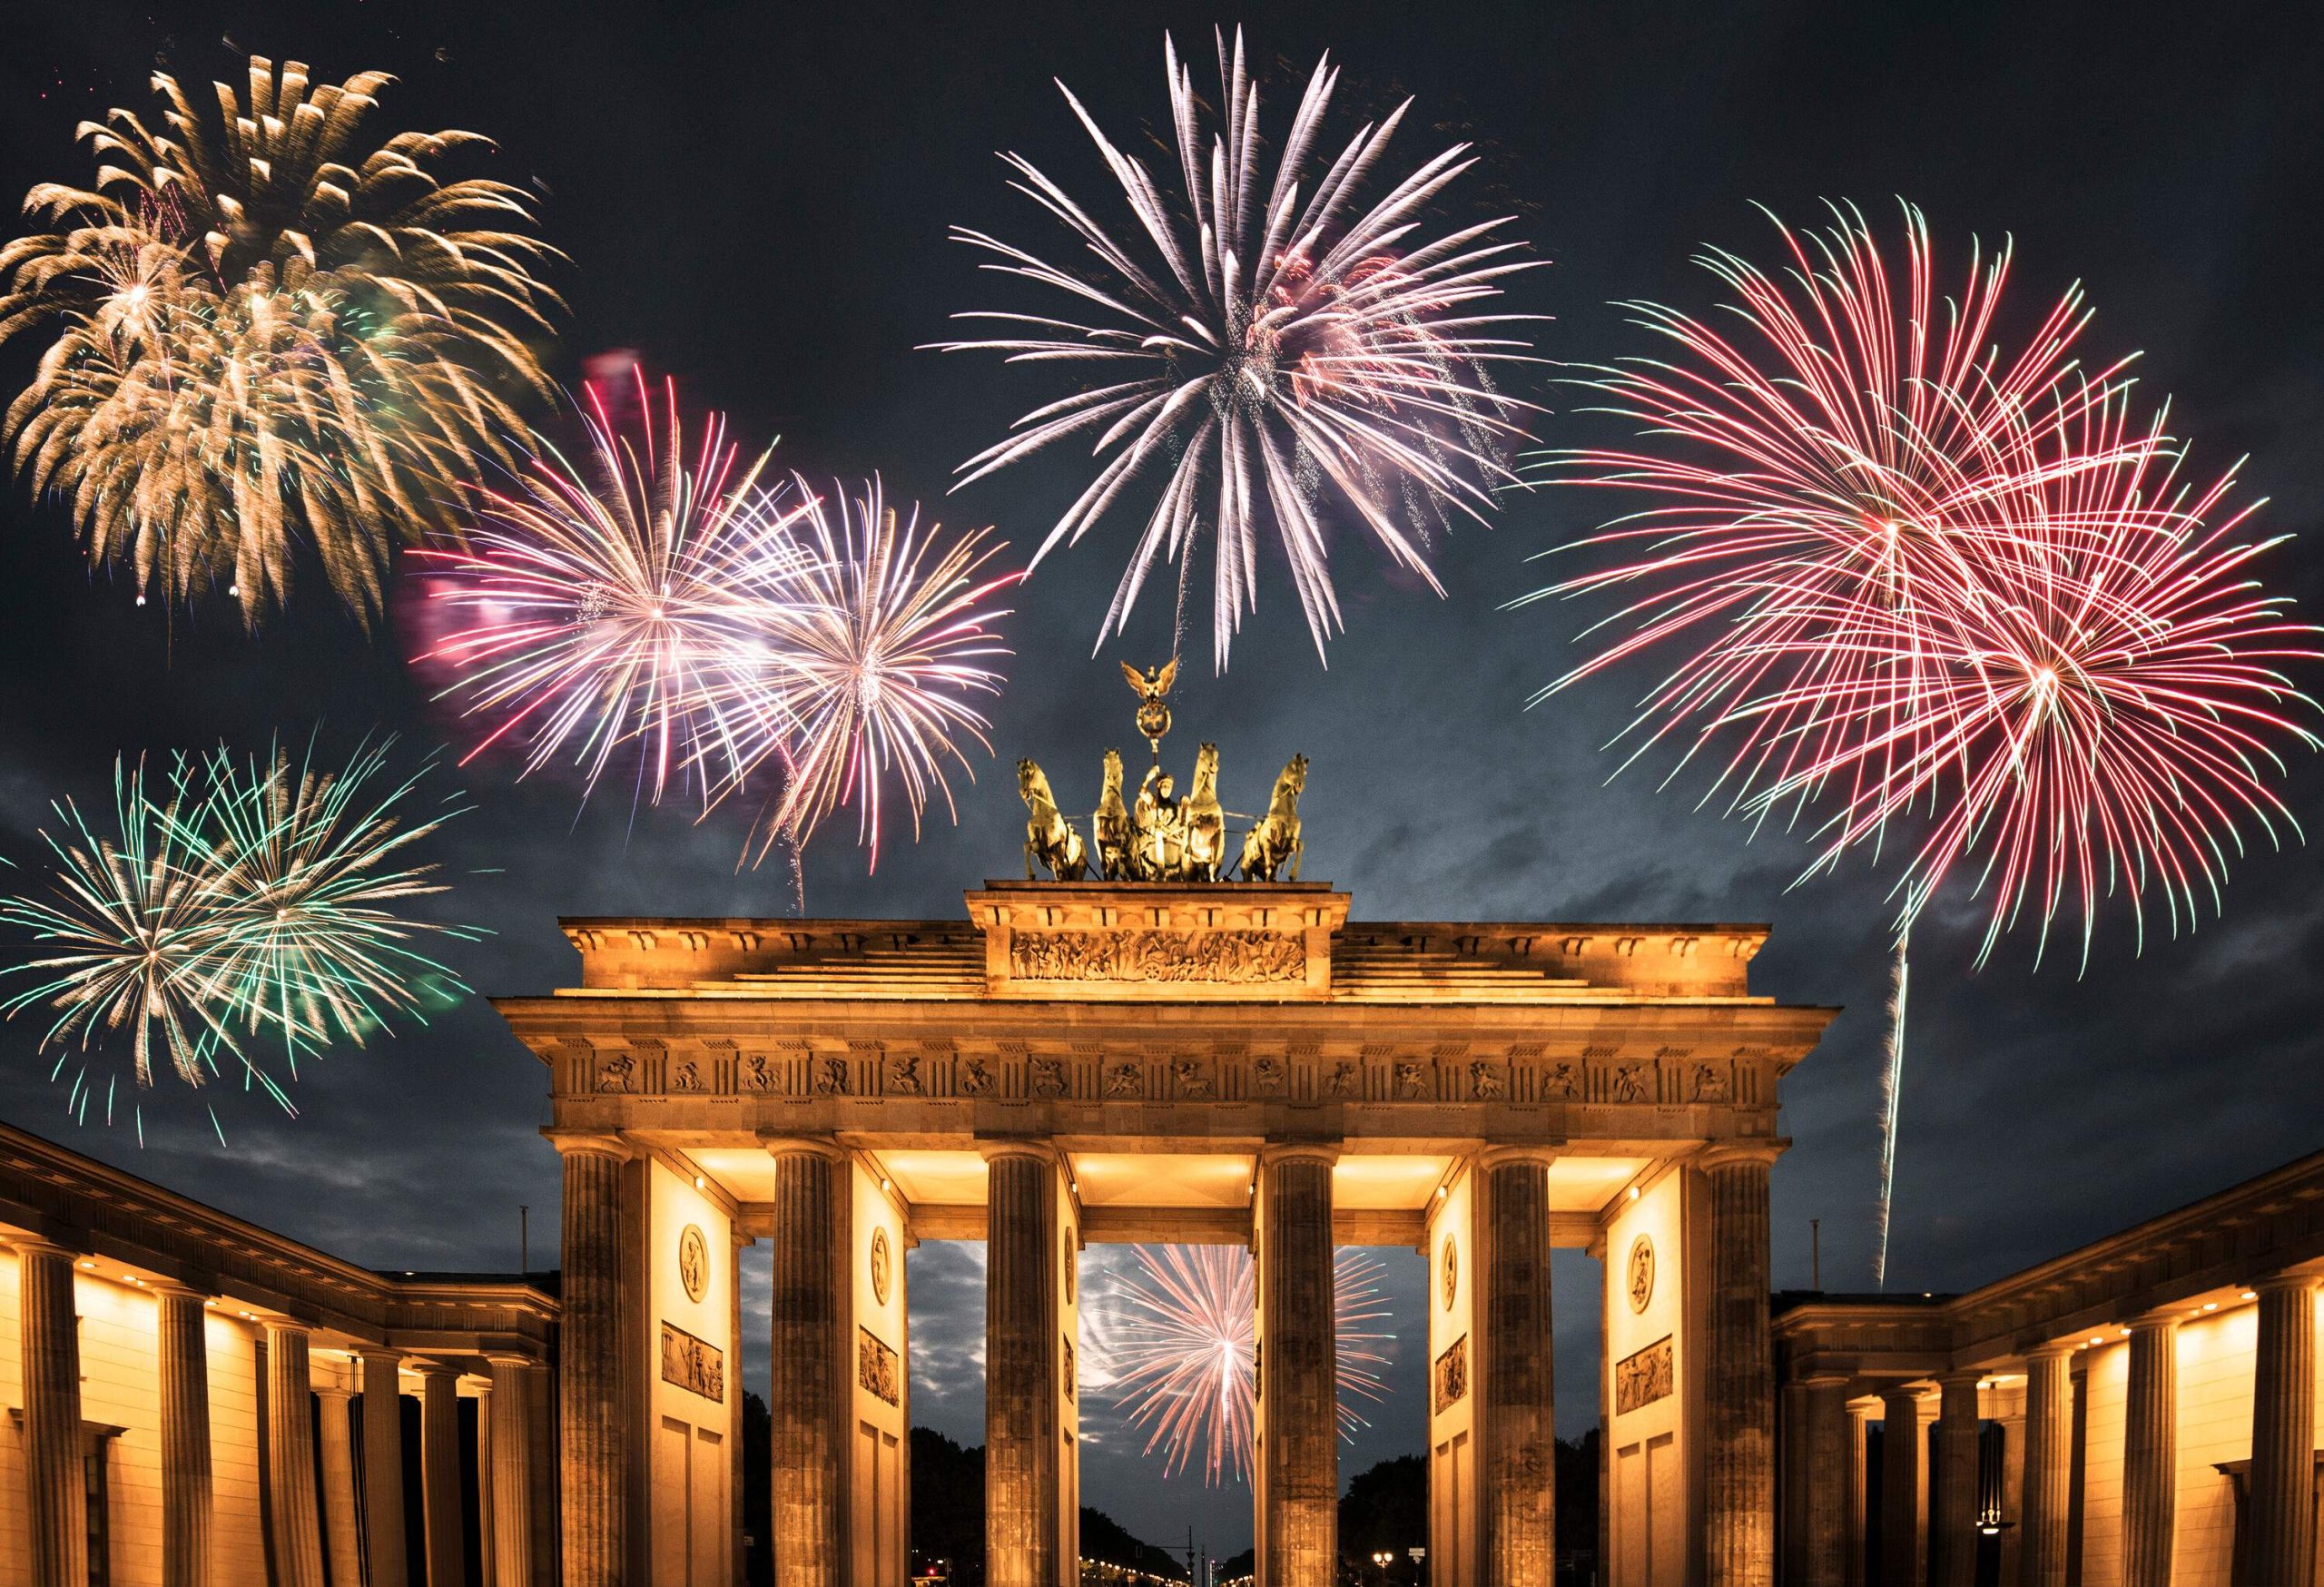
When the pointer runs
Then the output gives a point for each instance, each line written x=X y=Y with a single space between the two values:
x=1083 y=1060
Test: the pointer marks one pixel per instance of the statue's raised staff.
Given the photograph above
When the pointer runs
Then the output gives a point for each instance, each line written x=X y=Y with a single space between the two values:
x=1049 y=838
x=1275 y=839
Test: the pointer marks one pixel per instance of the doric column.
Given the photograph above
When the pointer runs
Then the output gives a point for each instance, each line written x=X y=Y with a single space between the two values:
x=811 y=1365
x=1827 y=1469
x=1791 y=1478
x=1021 y=1348
x=342 y=1531
x=2151 y=1453
x=1856 y=1523
x=1740 y=1512
x=1953 y=1498
x=1900 y=1486
x=383 y=1468
x=1517 y=1420
x=50 y=1334
x=592 y=1397
x=2049 y=1459
x=439 y=1472
x=487 y=1565
x=291 y=1458
x=2282 y=1525
x=1298 y=1365
x=187 y=1501
x=511 y=1545
x=2009 y=1508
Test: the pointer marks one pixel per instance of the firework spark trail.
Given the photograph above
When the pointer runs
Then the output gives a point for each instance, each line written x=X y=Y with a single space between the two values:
x=1272 y=339
x=1892 y=1086
x=1915 y=582
x=624 y=601
x=875 y=660
x=270 y=335
x=1176 y=1349
x=246 y=905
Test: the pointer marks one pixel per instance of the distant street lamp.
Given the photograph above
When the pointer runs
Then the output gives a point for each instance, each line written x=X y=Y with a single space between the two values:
x=1382 y=1558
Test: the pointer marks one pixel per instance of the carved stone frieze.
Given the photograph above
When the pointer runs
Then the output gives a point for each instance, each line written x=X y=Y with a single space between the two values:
x=1162 y=956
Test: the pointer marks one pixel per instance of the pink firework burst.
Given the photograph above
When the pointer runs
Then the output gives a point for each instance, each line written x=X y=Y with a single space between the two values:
x=1912 y=580
x=1181 y=1359
x=616 y=607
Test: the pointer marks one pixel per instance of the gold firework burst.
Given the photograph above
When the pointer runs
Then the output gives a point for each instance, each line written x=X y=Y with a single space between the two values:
x=271 y=330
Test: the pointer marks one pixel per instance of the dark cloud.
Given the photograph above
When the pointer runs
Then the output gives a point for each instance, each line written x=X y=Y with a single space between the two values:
x=755 y=198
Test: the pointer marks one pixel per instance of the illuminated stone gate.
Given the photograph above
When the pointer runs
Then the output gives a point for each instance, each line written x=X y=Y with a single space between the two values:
x=1108 y=1062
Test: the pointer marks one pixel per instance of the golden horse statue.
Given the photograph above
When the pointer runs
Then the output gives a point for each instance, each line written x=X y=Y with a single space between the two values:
x=1202 y=821
x=1276 y=837
x=1049 y=838
x=1110 y=826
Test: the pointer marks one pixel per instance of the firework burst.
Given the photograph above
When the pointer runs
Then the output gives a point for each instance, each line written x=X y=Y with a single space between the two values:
x=1180 y=1351
x=270 y=334
x=877 y=661
x=1914 y=581
x=238 y=915
x=1265 y=346
x=623 y=605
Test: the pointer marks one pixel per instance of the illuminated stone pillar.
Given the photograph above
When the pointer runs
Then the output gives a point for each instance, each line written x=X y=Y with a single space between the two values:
x=291 y=1458
x=439 y=1472
x=383 y=1468
x=2151 y=1453
x=487 y=1567
x=1516 y=1383
x=187 y=1494
x=1953 y=1500
x=1739 y=1400
x=58 y=1515
x=2049 y=1465
x=1021 y=1478
x=2282 y=1528
x=810 y=1365
x=343 y=1528
x=1856 y=1538
x=594 y=1367
x=1299 y=1458
x=510 y=1474
x=1900 y=1486
x=1827 y=1471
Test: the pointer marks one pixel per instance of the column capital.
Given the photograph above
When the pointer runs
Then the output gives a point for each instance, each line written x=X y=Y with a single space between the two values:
x=1962 y=1377
x=1498 y=1157
x=176 y=1291
x=589 y=1143
x=2154 y=1322
x=1325 y=1152
x=429 y=1367
x=512 y=1358
x=1730 y=1154
x=333 y=1390
x=2275 y=1282
x=776 y=1144
x=1822 y=1378
x=367 y=1353
x=2054 y=1351
x=35 y=1244
x=1001 y=1148
x=1893 y=1394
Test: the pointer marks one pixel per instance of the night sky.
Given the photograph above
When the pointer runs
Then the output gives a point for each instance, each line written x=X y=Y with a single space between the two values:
x=754 y=199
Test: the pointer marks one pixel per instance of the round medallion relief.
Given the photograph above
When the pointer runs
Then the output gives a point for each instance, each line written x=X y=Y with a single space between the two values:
x=880 y=1265
x=693 y=1261
x=1639 y=1271
x=1452 y=1273
x=1071 y=1266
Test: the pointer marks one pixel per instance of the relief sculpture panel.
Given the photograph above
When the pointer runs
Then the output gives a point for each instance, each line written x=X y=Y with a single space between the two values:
x=1156 y=956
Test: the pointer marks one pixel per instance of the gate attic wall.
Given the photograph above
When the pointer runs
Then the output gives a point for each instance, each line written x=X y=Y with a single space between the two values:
x=1240 y=1063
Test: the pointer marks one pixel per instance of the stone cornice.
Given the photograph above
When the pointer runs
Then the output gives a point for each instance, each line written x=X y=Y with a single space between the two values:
x=132 y=1224
x=2158 y=1271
